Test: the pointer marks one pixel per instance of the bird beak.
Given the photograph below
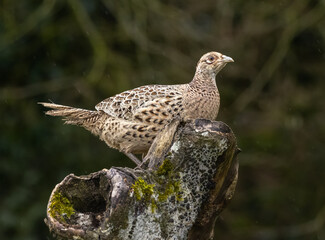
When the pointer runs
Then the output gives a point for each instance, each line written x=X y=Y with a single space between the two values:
x=227 y=59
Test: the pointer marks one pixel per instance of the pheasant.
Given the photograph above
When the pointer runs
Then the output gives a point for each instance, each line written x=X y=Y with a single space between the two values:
x=130 y=121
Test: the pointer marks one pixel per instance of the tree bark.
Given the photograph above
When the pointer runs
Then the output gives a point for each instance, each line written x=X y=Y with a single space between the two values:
x=187 y=178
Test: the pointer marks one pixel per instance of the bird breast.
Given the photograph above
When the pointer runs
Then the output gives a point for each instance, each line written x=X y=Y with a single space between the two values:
x=200 y=103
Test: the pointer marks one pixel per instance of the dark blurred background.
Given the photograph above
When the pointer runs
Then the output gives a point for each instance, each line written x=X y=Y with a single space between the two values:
x=79 y=52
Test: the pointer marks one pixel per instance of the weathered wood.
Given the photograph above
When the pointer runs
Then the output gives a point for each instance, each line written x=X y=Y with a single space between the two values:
x=189 y=177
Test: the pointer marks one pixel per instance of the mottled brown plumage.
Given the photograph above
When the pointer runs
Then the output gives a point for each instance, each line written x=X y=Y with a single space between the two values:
x=130 y=121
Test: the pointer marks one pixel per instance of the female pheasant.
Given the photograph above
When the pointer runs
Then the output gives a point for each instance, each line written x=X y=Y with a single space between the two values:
x=130 y=121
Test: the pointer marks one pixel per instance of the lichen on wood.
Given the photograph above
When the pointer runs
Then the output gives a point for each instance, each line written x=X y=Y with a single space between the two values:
x=177 y=194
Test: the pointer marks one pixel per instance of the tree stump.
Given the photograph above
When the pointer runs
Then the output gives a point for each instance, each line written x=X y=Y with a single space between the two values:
x=187 y=178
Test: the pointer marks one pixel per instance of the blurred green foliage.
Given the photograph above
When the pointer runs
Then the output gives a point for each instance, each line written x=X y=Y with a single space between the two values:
x=79 y=52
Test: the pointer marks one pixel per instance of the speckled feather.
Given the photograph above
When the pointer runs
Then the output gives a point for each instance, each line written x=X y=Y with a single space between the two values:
x=130 y=121
x=146 y=103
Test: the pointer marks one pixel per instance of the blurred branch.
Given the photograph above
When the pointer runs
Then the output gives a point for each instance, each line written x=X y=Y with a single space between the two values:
x=17 y=93
x=54 y=85
x=28 y=25
x=95 y=38
x=6 y=14
x=295 y=24
x=136 y=27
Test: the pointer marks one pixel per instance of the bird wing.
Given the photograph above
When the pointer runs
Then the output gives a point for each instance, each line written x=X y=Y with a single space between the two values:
x=136 y=103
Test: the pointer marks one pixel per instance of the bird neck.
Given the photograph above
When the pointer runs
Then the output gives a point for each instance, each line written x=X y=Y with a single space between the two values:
x=204 y=78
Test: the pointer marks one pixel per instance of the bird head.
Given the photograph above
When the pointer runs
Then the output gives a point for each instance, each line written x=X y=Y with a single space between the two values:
x=212 y=63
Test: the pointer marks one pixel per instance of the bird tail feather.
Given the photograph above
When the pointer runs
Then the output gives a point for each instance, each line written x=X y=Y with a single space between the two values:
x=71 y=115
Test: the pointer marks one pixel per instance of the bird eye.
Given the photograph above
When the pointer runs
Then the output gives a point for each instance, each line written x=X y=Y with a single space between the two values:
x=210 y=60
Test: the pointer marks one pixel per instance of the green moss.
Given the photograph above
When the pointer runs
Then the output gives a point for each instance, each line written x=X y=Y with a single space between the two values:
x=168 y=179
x=165 y=168
x=153 y=205
x=168 y=184
x=171 y=188
x=61 y=207
x=143 y=190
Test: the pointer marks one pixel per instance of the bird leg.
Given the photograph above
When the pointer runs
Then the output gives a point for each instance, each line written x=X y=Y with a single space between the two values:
x=133 y=158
